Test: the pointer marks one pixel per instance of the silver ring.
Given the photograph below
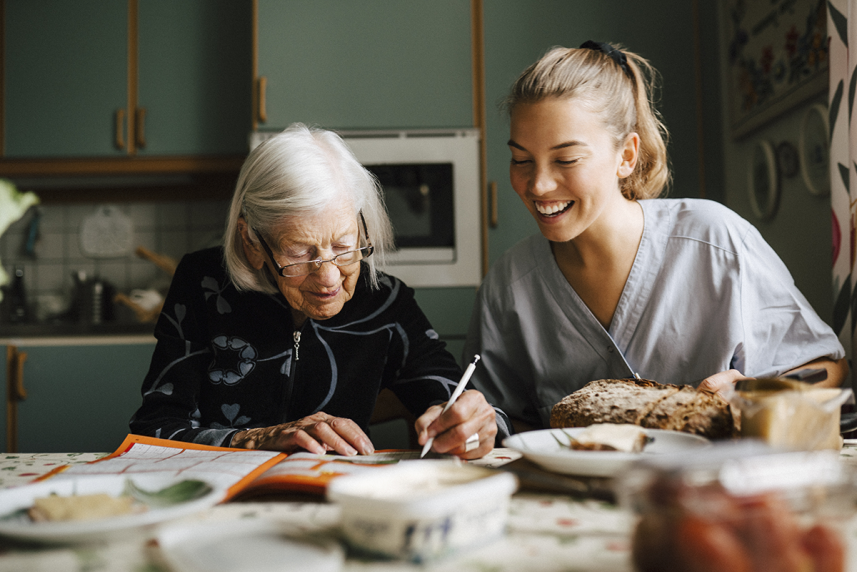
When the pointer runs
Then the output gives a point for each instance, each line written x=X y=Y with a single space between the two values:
x=471 y=443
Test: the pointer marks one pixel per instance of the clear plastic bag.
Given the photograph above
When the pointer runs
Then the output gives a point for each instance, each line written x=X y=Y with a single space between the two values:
x=741 y=506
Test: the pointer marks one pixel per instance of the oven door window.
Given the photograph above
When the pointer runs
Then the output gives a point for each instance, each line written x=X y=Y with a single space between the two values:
x=419 y=200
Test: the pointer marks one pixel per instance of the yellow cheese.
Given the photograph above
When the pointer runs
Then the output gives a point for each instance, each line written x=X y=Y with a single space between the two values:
x=793 y=419
x=80 y=507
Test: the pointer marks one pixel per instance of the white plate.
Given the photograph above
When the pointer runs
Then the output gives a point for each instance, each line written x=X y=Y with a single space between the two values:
x=21 y=527
x=255 y=545
x=542 y=448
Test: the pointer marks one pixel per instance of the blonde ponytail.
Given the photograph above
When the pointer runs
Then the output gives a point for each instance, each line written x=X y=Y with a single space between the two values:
x=652 y=173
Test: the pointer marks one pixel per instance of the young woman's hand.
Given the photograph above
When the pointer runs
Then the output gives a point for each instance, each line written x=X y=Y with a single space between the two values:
x=470 y=415
x=721 y=383
x=318 y=433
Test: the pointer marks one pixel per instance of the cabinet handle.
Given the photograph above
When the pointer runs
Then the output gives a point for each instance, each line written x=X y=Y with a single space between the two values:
x=139 y=127
x=494 y=218
x=263 y=86
x=20 y=394
x=15 y=372
x=15 y=392
x=120 y=129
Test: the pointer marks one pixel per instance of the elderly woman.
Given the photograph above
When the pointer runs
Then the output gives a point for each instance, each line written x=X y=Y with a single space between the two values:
x=283 y=338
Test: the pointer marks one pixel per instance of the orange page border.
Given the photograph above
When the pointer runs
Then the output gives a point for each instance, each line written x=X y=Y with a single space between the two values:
x=132 y=440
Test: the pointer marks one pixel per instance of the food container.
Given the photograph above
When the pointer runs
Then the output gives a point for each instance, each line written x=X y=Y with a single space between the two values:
x=740 y=506
x=421 y=510
x=802 y=416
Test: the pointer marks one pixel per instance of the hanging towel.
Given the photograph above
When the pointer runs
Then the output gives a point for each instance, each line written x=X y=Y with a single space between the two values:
x=13 y=205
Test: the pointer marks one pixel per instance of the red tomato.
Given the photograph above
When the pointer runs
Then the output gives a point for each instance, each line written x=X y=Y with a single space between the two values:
x=772 y=536
x=707 y=546
x=825 y=548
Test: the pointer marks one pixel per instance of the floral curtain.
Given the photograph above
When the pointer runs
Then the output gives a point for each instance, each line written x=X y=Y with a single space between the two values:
x=842 y=35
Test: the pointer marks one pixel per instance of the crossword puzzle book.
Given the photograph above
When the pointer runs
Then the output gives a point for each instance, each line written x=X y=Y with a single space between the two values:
x=246 y=473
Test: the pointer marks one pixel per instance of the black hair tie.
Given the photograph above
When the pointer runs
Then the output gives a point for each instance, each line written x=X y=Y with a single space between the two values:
x=616 y=55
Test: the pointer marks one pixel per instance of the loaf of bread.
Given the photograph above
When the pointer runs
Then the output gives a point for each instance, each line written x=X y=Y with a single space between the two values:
x=646 y=403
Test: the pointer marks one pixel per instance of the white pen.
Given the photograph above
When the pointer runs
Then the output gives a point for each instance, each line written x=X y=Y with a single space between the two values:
x=455 y=394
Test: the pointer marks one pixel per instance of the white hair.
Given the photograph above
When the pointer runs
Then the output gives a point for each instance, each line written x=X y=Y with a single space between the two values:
x=303 y=170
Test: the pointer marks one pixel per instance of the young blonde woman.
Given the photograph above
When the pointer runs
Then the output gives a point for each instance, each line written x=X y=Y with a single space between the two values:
x=621 y=282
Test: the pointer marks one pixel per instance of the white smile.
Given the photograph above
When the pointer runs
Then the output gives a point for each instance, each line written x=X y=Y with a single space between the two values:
x=553 y=208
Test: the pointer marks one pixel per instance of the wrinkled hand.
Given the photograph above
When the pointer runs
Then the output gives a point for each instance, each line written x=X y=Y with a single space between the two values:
x=721 y=383
x=317 y=433
x=468 y=415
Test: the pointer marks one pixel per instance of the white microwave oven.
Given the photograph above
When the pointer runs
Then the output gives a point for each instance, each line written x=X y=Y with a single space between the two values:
x=431 y=188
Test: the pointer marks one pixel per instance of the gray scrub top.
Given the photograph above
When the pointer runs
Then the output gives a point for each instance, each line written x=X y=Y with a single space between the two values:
x=706 y=293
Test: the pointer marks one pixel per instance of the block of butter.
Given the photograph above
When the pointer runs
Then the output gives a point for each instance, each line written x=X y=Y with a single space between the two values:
x=79 y=507
x=806 y=419
x=610 y=437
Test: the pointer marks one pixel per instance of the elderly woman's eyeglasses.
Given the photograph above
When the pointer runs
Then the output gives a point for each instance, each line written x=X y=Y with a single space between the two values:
x=304 y=268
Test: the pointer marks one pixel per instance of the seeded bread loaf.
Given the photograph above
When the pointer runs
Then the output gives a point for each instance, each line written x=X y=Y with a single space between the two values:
x=648 y=404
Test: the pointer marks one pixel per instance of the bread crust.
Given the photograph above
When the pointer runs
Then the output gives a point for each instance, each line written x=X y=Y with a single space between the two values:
x=646 y=403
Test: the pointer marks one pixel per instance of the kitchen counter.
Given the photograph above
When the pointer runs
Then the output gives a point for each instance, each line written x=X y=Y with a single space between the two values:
x=40 y=334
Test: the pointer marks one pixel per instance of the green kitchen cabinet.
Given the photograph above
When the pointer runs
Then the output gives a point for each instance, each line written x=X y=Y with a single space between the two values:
x=377 y=64
x=73 y=89
x=65 y=76
x=195 y=62
x=79 y=398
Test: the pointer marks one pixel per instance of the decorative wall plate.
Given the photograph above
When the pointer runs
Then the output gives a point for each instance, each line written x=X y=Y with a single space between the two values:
x=814 y=148
x=764 y=180
x=788 y=161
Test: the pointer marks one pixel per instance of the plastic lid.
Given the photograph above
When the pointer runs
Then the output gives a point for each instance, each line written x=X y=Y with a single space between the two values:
x=741 y=469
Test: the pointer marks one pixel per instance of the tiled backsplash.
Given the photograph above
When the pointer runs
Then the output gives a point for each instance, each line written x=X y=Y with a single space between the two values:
x=168 y=228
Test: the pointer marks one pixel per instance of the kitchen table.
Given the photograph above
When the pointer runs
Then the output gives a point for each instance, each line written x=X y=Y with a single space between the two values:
x=545 y=532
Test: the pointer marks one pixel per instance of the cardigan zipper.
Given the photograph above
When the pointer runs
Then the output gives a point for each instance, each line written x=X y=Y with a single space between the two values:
x=290 y=383
x=297 y=337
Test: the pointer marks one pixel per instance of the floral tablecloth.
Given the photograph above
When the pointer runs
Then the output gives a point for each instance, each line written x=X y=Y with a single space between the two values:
x=545 y=533
x=21 y=468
